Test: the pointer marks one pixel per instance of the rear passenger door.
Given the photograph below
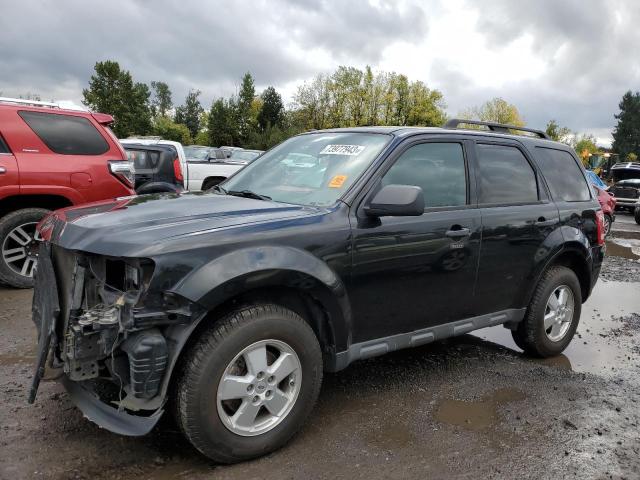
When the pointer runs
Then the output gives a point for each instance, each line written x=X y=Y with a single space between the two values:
x=517 y=217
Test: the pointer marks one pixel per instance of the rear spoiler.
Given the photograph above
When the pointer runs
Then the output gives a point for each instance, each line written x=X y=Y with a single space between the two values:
x=103 y=118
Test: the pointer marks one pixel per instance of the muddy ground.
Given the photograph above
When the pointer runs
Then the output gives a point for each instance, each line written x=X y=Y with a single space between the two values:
x=472 y=407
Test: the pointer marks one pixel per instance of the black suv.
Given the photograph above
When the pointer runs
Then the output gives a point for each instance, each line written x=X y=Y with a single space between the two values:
x=157 y=168
x=334 y=246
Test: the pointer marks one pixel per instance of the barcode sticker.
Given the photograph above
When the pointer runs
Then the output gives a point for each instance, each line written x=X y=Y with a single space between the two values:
x=350 y=150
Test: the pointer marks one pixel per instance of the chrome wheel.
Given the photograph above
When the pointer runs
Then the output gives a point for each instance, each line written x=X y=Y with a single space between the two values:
x=259 y=387
x=20 y=249
x=558 y=313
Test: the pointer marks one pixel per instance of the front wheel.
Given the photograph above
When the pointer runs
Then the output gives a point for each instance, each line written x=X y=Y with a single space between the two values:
x=553 y=314
x=19 y=246
x=608 y=221
x=249 y=383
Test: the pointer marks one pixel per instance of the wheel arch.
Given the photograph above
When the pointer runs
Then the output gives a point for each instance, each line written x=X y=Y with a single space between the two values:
x=18 y=202
x=574 y=256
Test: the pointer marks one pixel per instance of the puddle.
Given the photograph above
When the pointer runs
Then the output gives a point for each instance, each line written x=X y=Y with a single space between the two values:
x=476 y=415
x=622 y=247
x=594 y=348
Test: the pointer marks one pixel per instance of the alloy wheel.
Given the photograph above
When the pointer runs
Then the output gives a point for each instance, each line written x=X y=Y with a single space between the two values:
x=259 y=387
x=20 y=249
x=558 y=313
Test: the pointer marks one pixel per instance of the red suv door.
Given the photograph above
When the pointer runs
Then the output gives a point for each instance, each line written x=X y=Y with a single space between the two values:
x=9 y=175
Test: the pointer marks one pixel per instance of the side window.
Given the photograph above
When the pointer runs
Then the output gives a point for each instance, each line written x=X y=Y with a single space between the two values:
x=438 y=168
x=505 y=176
x=563 y=175
x=66 y=134
x=3 y=146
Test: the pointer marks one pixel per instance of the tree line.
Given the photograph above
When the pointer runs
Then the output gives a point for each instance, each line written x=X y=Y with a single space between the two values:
x=347 y=97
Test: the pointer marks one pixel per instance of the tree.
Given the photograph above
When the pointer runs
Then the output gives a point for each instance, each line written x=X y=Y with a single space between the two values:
x=221 y=126
x=169 y=130
x=272 y=109
x=585 y=146
x=558 y=133
x=626 y=135
x=246 y=122
x=351 y=97
x=496 y=110
x=189 y=113
x=112 y=90
x=161 y=102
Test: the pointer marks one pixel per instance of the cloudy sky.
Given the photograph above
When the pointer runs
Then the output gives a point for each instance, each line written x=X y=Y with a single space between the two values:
x=565 y=59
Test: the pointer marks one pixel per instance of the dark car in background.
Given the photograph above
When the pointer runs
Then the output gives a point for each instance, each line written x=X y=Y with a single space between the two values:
x=156 y=168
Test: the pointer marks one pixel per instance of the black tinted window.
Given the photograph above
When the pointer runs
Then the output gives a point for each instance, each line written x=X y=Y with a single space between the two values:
x=3 y=146
x=66 y=134
x=505 y=176
x=436 y=167
x=564 y=176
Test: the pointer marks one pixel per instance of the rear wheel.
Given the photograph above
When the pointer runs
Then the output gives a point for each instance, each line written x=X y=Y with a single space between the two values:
x=636 y=215
x=211 y=182
x=553 y=314
x=19 y=246
x=608 y=221
x=249 y=383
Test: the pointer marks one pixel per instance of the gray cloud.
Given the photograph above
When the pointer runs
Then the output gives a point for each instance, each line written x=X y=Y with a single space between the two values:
x=588 y=49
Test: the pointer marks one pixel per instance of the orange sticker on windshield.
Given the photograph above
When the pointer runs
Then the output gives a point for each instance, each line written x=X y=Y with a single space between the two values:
x=337 y=181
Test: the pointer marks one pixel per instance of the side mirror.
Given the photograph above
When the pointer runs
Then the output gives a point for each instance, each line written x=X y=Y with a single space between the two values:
x=397 y=201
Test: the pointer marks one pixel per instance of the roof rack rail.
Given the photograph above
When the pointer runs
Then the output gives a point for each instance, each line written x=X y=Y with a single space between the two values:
x=494 y=127
x=35 y=103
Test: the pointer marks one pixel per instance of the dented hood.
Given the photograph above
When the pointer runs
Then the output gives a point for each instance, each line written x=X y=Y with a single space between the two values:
x=129 y=226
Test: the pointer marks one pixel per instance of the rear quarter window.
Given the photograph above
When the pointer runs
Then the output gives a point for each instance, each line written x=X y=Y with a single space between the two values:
x=563 y=175
x=66 y=134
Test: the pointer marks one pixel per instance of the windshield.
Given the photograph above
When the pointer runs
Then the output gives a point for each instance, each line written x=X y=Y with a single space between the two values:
x=196 y=153
x=313 y=169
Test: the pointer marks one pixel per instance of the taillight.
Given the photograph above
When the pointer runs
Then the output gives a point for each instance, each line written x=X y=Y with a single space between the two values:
x=123 y=171
x=600 y=227
x=177 y=171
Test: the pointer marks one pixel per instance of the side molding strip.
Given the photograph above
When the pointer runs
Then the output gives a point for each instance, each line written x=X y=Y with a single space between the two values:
x=380 y=346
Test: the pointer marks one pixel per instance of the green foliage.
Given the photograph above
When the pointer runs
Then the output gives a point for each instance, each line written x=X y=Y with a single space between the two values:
x=352 y=97
x=161 y=102
x=189 y=113
x=169 y=130
x=112 y=90
x=271 y=113
x=631 y=157
x=495 y=110
x=558 y=133
x=246 y=122
x=626 y=135
x=221 y=123
x=202 y=138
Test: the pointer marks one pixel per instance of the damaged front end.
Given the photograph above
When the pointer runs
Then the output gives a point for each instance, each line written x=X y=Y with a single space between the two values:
x=103 y=328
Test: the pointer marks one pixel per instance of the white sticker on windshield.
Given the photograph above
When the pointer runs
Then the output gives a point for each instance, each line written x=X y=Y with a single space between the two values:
x=342 y=150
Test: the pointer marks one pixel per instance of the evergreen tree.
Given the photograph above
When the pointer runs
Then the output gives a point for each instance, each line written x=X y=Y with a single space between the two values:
x=220 y=124
x=112 y=90
x=161 y=103
x=246 y=123
x=272 y=110
x=626 y=135
x=189 y=113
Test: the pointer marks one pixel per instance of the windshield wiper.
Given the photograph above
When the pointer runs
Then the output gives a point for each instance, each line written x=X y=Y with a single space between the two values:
x=247 y=194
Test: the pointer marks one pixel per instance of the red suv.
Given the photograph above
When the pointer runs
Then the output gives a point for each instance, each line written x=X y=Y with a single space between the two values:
x=51 y=158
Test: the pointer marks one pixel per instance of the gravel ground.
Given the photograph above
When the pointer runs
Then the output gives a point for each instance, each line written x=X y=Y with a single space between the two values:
x=472 y=407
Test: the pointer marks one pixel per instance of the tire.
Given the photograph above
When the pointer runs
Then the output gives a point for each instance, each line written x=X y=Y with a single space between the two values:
x=531 y=335
x=608 y=222
x=636 y=215
x=12 y=261
x=199 y=408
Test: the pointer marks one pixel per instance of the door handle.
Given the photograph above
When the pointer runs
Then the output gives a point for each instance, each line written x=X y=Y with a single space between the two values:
x=458 y=232
x=543 y=222
x=3 y=170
